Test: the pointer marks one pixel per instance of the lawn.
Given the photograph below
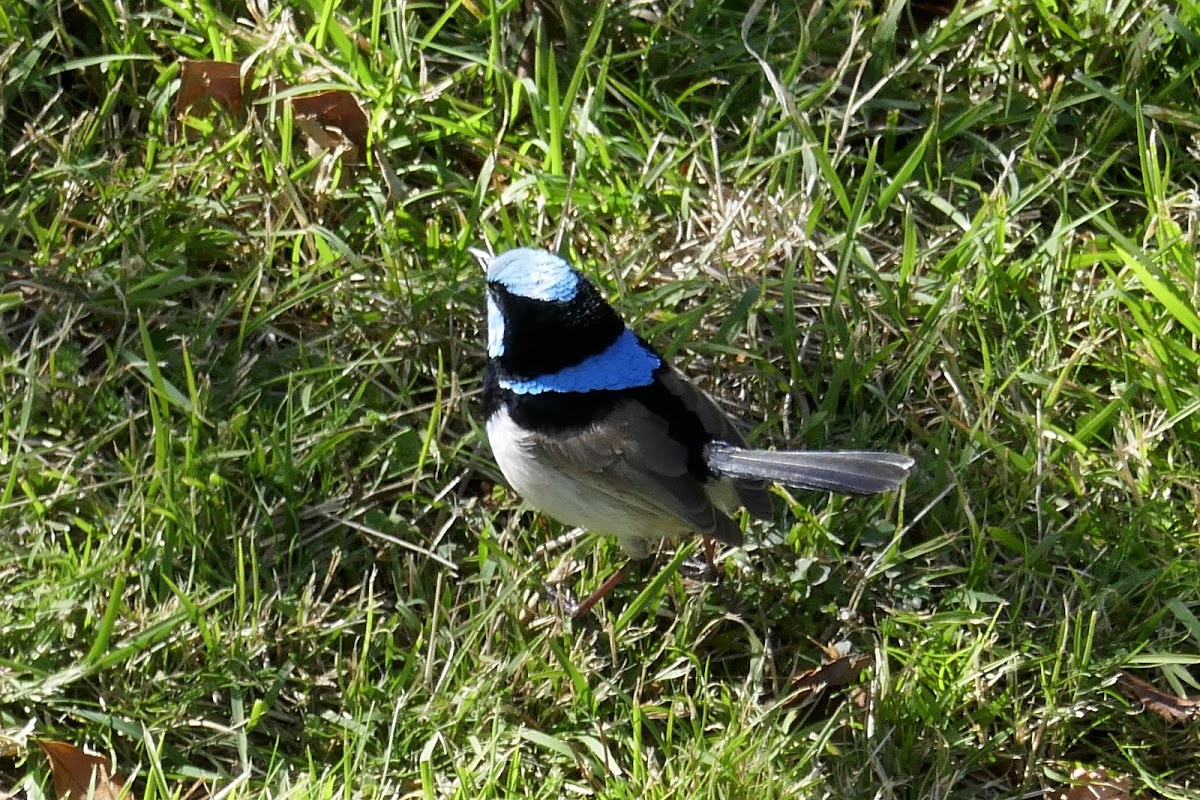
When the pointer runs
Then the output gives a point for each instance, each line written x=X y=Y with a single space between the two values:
x=252 y=539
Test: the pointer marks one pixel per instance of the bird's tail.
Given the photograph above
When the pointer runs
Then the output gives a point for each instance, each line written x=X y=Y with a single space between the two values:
x=845 y=472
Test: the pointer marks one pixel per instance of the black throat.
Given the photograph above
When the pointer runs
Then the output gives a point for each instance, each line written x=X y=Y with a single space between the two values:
x=541 y=337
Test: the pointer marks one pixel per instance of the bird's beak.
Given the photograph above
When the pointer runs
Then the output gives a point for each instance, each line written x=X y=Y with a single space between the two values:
x=482 y=256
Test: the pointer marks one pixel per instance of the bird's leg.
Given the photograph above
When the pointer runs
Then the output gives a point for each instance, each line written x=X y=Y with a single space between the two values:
x=609 y=584
x=713 y=575
x=705 y=570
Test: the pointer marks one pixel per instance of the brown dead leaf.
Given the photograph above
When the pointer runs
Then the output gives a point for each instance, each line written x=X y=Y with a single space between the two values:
x=1170 y=707
x=810 y=683
x=334 y=120
x=75 y=772
x=1092 y=784
x=205 y=86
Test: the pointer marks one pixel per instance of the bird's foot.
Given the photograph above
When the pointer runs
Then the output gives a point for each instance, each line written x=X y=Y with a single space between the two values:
x=700 y=569
x=560 y=598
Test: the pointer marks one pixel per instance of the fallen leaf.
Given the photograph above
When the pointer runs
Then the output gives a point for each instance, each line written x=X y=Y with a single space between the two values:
x=334 y=120
x=75 y=773
x=205 y=86
x=1170 y=707
x=1092 y=784
x=811 y=682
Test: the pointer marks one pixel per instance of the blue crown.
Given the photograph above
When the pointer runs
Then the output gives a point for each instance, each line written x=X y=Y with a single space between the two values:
x=535 y=274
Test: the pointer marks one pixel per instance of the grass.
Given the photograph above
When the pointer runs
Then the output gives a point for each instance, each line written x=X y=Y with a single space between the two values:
x=253 y=533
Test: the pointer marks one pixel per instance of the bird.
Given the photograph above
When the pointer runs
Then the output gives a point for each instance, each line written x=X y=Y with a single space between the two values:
x=594 y=428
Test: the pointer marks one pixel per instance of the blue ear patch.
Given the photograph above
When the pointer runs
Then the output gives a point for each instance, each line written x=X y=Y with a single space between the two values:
x=535 y=274
x=495 y=320
x=625 y=364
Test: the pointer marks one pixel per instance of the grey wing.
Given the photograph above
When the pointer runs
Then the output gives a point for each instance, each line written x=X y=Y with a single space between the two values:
x=631 y=456
x=752 y=494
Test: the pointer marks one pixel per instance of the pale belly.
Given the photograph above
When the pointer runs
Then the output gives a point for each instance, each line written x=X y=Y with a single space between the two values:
x=575 y=501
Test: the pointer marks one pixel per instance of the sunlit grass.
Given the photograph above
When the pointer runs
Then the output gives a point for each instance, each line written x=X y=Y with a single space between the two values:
x=253 y=533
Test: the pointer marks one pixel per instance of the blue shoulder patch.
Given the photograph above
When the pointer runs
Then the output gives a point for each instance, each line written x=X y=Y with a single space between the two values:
x=625 y=364
x=536 y=274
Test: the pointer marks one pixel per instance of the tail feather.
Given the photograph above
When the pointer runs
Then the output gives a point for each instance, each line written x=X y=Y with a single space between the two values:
x=845 y=472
